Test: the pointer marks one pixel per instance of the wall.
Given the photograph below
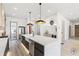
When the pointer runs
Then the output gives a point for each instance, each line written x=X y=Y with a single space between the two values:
x=63 y=27
x=20 y=22
x=67 y=23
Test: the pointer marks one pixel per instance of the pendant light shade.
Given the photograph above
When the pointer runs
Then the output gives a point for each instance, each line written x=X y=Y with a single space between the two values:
x=29 y=24
x=30 y=19
x=40 y=21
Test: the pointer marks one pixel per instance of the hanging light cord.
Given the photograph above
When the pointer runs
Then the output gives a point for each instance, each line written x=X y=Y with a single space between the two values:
x=30 y=16
x=40 y=10
x=40 y=21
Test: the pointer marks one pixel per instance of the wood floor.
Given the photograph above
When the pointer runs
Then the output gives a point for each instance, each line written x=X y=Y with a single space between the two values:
x=16 y=48
x=71 y=47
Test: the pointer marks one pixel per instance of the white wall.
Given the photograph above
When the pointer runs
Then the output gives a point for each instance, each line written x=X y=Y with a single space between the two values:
x=62 y=28
x=20 y=22
x=67 y=23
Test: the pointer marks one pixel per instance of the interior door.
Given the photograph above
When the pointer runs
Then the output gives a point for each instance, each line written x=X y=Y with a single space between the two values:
x=13 y=30
x=76 y=30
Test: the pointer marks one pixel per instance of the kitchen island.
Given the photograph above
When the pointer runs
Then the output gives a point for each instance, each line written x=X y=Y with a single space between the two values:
x=4 y=46
x=45 y=46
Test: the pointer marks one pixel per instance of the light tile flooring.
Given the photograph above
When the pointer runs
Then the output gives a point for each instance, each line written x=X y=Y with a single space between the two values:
x=71 y=47
x=17 y=49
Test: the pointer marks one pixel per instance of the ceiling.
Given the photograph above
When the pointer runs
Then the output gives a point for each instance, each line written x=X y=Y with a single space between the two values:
x=21 y=10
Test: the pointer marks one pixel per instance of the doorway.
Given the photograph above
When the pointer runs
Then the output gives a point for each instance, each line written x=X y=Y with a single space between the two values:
x=13 y=30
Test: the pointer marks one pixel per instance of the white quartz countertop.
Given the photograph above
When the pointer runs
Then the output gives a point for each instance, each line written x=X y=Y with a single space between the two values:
x=3 y=43
x=43 y=40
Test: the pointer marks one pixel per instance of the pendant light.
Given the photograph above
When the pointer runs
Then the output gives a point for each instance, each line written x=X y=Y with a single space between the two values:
x=40 y=21
x=30 y=19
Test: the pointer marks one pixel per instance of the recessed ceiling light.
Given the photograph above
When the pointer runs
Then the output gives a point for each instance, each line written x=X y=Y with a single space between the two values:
x=15 y=8
x=49 y=10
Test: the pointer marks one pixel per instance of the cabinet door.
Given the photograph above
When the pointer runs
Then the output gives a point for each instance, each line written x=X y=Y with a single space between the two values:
x=26 y=44
x=38 y=49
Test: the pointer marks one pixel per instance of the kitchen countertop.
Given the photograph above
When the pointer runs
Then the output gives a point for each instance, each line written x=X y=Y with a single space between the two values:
x=3 y=43
x=43 y=40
